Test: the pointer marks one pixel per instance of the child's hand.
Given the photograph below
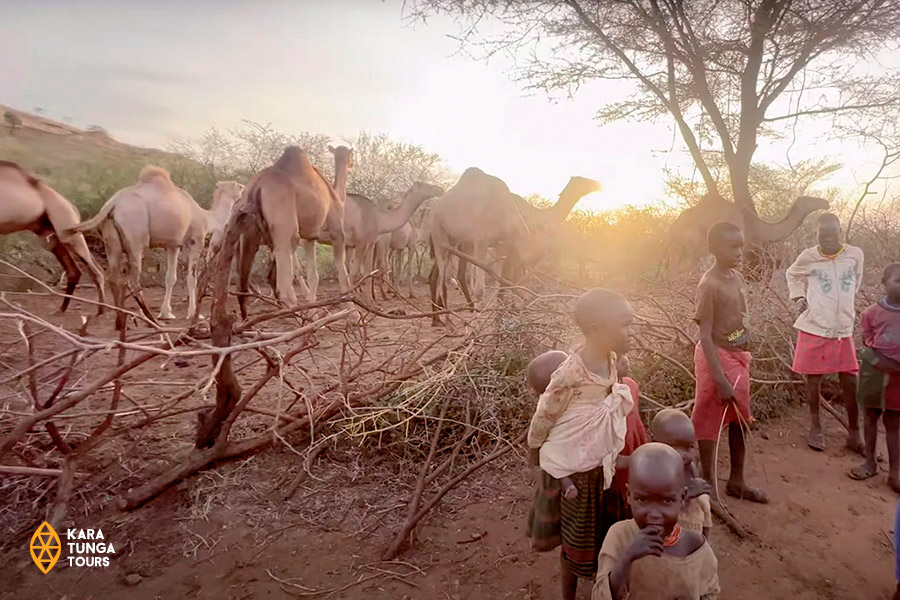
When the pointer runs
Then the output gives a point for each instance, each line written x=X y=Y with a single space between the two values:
x=801 y=305
x=726 y=392
x=647 y=542
x=534 y=457
x=697 y=487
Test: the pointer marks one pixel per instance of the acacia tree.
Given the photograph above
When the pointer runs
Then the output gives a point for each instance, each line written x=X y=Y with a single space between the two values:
x=727 y=71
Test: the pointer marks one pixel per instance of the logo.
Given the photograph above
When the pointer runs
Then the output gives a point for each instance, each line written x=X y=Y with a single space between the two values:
x=45 y=547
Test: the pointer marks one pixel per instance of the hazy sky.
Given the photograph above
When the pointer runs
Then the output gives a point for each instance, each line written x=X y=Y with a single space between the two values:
x=151 y=71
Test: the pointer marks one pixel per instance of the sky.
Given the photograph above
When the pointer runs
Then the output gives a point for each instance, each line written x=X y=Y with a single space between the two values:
x=150 y=72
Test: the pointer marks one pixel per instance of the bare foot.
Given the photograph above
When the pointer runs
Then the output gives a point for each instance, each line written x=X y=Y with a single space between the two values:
x=745 y=492
x=816 y=440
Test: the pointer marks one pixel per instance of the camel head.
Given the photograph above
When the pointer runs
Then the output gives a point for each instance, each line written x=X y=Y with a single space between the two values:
x=343 y=156
x=581 y=186
x=226 y=194
x=808 y=204
x=424 y=191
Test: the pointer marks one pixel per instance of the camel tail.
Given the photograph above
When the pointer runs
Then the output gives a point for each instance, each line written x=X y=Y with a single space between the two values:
x=95 y=221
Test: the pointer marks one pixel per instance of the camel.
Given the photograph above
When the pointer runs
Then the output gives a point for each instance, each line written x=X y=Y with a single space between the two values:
x=390 y=251
x=543 y=222
x=155 y=213
x=576 y=189
x=29 y=204
x=687 y=234
x=297 y=203
x=225 y=197
x=365 y=221
x=522 y=248
x=478 y=212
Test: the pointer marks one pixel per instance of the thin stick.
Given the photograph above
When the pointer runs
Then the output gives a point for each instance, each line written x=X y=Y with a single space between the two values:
x=30 y=471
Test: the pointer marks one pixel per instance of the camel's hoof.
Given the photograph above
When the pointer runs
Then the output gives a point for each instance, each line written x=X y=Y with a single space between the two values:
x=165 y=316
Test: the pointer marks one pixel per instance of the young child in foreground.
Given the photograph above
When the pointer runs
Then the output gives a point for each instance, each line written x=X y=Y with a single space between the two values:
x=673 y=428
x=722 y=360
x=578 y=431
x=879 y=378
x=651 y=556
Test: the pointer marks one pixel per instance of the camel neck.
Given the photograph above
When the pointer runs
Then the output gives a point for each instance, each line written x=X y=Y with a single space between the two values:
x=392 y=220
x=340 y=181
x=564 y=205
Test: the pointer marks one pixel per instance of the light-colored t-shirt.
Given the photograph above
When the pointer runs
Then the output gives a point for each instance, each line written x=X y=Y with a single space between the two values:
x=697 y=514
x=692 y=577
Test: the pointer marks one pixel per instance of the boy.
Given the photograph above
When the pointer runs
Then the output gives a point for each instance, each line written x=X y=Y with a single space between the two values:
x=651 y=556
x=879 y=377
x=579 y=426
x=722 y=361
x=823 y=283
x=673 y=428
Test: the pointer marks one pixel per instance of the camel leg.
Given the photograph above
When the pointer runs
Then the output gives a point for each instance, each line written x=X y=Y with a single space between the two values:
x=194 y=251
x=283 y=251
x=249 y=245
x=312 y=269
x=462 y=278
x=368 y=254
x=299 y=271
x=409 y=269
x=78 y=247
x=339 y=246
x=478 y=277
x=382 y=257
x=436 y=281
x=73 y=273
x=165 y=311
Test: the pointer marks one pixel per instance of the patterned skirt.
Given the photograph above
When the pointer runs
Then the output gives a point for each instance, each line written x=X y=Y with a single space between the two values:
x=578 y=525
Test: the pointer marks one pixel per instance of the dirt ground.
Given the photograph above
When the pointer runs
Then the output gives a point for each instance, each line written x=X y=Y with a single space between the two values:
x=226 y=533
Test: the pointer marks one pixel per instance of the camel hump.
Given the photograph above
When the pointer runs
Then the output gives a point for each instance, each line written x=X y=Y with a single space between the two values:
x=292 y=159
x=31 y=179
x=154 y=174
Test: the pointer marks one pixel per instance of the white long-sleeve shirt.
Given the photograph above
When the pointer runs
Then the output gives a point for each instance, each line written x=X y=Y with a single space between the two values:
x=829 y=286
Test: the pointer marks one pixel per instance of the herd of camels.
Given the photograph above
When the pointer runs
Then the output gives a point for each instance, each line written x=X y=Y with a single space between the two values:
x=477 y=215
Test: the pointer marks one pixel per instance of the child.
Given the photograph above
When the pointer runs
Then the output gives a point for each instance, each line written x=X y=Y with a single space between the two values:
x=823 y=283
x=651 y=556
x=673 y=428
x=879 y=377
x=579 y=426
x=538 y=374
x=722 y=361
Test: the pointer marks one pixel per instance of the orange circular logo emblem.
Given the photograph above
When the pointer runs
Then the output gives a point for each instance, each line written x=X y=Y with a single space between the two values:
x=45 y=547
